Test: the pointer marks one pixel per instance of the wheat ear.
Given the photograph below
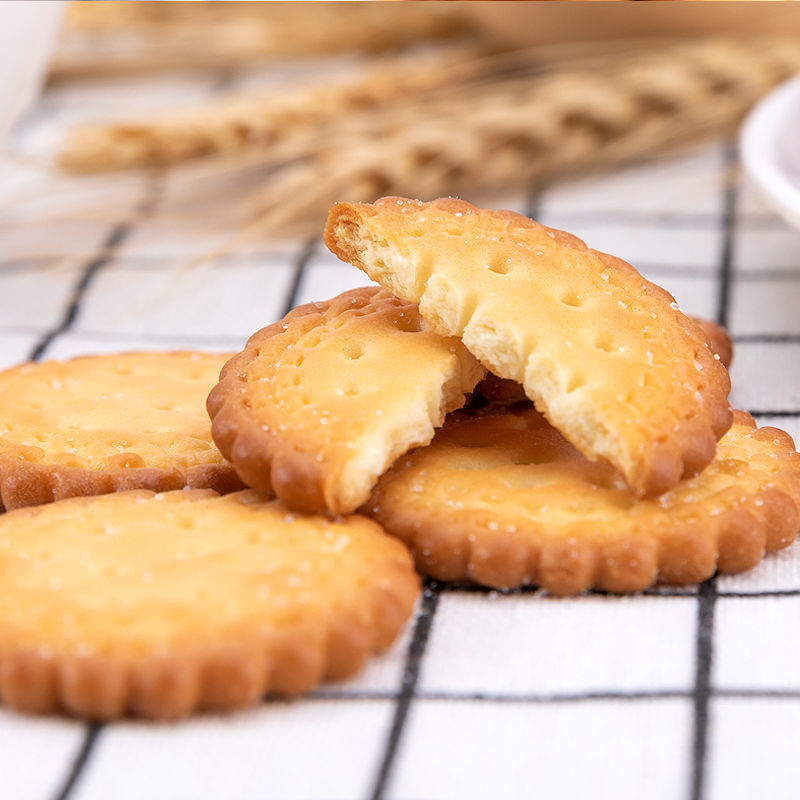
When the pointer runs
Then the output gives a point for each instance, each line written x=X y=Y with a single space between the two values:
x=244 y=122
x=502 y=137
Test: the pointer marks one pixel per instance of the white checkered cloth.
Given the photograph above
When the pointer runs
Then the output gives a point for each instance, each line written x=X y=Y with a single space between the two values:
x=689 y=694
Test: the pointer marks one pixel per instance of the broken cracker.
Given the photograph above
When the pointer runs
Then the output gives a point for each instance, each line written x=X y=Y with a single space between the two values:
x=318 y=405
x=605 y=354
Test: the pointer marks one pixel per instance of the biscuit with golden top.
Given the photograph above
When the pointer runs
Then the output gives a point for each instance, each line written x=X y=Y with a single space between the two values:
x=159 y=605
x=503 y=499
x=505 y=392
x=100 y=424
x=605 y=354
x=318 y=405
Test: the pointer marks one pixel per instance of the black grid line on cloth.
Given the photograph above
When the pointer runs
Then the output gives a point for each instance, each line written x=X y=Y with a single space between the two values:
x=103 y=258
x=79 y=762
x=119 y=233
x=298 y=273
x=89 y=334
x=408 y=687
x=701 y=695
x=419 y=640
x=767 y=338
x=251 y=259
x=707 y=596
x=490 y=698
x=768 y=275
x=665 y=592
x=668 y=219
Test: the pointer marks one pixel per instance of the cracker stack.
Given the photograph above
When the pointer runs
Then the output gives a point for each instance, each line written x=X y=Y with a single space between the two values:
x=513 y=406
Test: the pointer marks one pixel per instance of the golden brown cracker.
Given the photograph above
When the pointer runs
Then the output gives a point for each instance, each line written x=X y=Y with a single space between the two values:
x=318 y=405
x=503 y=391
x=163 y=604
x=101 y=424
x=718 y=339
x=605 y=354
x=503 y=499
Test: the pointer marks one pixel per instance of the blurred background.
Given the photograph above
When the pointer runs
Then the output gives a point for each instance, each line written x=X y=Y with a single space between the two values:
x=280 y=118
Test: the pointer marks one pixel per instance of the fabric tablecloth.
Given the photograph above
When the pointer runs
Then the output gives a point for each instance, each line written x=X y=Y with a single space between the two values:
x=676 y=693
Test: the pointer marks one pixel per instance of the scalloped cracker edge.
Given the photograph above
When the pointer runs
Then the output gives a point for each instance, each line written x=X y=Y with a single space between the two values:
x=502 y=499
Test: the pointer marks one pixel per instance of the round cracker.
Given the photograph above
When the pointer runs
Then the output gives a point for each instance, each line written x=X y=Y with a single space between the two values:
x=606 y=355
x=318 y=405
x=163 y=604
x=100 y=424
x=503 y=499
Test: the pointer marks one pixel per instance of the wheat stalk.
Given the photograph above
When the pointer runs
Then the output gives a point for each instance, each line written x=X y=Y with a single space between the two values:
x=240 y=123
x=478 y=124
x=500 y=137
x=104 y=38
x=260 y=124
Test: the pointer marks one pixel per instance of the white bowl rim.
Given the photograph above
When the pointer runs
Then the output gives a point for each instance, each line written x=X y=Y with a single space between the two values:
x=759 y=148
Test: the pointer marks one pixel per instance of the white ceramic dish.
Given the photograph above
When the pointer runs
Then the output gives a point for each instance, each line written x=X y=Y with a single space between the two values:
x=770 y=148
x=27 y=34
